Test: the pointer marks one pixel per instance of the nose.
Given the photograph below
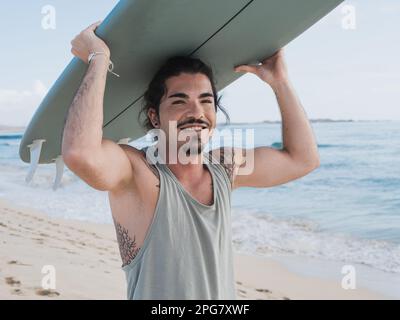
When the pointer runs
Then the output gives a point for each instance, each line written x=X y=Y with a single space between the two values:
x=195 y=110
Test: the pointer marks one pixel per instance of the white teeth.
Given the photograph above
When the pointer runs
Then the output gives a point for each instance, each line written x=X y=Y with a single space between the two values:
x=193 y=128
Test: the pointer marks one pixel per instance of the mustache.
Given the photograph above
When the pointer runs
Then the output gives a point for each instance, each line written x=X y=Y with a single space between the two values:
x=200 y=122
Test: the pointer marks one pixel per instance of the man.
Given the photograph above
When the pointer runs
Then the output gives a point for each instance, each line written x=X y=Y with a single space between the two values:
x=173 y=219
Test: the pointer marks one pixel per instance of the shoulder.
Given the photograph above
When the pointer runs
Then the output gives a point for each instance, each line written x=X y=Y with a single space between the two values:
x=138 y=160
x=136 y=156
x=131 y=151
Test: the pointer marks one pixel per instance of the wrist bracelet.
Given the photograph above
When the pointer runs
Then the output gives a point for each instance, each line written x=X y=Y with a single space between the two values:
x=110 y=66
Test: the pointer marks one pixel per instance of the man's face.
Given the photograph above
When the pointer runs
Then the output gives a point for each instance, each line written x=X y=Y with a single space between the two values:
x=190 y=102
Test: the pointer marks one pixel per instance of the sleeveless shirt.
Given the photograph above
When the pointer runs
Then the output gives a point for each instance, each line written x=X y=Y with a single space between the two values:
x=187 y=252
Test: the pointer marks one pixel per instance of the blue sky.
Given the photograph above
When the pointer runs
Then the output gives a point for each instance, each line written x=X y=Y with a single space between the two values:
x=337 y=73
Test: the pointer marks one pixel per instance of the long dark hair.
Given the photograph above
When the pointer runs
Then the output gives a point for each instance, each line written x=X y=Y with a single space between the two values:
x=174 y=66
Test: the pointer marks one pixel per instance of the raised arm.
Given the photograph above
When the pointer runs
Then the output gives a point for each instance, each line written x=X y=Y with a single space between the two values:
x=101 y=163
x=299 y=154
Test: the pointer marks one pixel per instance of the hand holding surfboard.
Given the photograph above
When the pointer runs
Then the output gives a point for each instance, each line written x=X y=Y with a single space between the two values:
x=271 y=70
x=87 y=42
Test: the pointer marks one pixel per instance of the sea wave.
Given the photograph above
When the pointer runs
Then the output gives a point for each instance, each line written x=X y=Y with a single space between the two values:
x=10 y=136
x=263 y=234
x=10 y=144
x=320 y=145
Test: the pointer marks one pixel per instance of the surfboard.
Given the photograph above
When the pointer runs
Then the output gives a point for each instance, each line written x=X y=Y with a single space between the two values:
x=141 y=35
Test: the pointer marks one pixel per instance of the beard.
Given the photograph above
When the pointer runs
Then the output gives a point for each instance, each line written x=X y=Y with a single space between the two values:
x=195 y=148
x=194 y=151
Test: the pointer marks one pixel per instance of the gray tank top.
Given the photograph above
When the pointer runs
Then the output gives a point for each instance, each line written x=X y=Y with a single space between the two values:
x=187 y=252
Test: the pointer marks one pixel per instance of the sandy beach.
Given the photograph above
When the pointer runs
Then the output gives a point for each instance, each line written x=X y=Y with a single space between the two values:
x=87 y=264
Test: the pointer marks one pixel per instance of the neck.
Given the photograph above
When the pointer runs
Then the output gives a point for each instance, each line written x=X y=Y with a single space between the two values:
x=187 y=167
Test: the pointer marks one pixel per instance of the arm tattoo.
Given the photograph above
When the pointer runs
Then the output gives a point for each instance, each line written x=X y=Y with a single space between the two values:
x=152 y=167
x=228 y=164
x=127 y=245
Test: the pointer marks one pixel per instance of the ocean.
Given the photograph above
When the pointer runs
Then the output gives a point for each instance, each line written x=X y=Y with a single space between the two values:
x=347 y=210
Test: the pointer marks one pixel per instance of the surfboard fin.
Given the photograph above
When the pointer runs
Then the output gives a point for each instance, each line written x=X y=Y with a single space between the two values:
x=59 y=172
x=35 y=149
x=124 y=141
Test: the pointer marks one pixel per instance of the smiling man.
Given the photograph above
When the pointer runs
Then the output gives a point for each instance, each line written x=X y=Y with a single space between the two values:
x=172 y=219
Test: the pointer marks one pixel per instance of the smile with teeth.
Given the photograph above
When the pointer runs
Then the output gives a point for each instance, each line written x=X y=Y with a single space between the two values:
x=194 y=128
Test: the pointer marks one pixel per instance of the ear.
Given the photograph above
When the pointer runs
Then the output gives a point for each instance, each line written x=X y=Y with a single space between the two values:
x=152 y=114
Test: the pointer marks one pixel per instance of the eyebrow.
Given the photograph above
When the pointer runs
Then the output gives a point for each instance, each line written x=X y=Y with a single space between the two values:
x=185 y=96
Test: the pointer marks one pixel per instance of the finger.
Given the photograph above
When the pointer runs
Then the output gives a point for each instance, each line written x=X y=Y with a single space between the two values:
x=272 y=56
x=94 y=25
x=245 y=68
x=279 y=52
x=74 y=52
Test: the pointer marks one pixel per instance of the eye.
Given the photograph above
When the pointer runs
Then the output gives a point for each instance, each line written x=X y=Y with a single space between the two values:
x=178 y=102
x=207 y=101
